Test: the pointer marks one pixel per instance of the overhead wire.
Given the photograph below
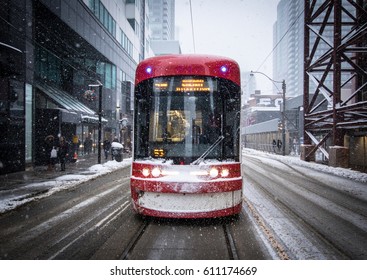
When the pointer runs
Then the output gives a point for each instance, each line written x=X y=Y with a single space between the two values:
x=192 y=27
x=281 y=39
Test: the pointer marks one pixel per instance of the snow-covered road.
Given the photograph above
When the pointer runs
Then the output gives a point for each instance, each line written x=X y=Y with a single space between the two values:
x=11 y=198
x=302 y=203
x=315 y=211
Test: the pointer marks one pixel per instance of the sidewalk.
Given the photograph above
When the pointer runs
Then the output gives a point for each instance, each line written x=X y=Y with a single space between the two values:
x=21 y=187
x=40 y=173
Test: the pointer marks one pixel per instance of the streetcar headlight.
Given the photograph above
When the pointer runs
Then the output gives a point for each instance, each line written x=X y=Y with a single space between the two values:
x=223 y=69
x=224 y=172
x=213 y=172
x=156 y=172
x=145 y=172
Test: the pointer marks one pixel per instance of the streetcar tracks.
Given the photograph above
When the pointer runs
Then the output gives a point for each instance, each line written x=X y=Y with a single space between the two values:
x=131 y=245
x=336 y=200
x=299 y=220
x=100 y=225
x=54 y=221
x=273 y=229
x=148 y=227
x=232 y=251
x=112 y=216
x=279 y=249
x=71 y=224
x=83 y=216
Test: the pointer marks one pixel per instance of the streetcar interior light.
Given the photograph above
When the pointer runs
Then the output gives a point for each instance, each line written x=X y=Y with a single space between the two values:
x=223 y=69
x=148 y=70
x=224 y=172
x=213 y=172
x=156 y=172
x=146 y=172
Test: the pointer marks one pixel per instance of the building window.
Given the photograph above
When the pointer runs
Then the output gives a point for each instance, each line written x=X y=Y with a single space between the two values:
x=48 y=66
x=113 y=77
x=103 y=15
x=108 y=76
x=108 y=73
x=126 y=43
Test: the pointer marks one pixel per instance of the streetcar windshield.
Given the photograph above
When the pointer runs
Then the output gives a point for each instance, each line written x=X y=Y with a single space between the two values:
x=182 y=118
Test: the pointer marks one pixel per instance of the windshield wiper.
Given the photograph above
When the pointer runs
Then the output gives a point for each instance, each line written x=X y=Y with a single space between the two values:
x=208 y=151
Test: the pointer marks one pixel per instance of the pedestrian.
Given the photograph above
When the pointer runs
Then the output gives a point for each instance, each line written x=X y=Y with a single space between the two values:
x=88 y=143
x=274 y=145
x=279 y=144
x=50 y=152
x=63 y=152
x=106 y=147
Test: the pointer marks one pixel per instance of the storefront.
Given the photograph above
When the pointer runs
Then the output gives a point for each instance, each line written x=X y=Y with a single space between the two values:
x=58 y=113
x=12 y=108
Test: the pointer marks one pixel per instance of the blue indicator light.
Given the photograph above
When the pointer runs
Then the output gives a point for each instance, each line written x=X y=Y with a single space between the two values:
x=223 y=69
x=148 y=69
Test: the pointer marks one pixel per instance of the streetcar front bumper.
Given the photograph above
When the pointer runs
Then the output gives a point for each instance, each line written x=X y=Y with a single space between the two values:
x=187 y=200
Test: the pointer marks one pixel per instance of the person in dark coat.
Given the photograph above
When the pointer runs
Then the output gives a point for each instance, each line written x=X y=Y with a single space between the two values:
x=63 y=152
x=106 y=147
x=88 y=143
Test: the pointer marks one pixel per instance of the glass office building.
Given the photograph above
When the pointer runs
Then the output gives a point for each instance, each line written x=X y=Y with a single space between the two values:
x=52 y=54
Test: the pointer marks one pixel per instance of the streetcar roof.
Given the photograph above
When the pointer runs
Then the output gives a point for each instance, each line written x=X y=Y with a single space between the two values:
x=188 y=64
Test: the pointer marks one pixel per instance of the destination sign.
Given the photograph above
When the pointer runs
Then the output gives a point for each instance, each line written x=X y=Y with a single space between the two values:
x=160 y=85
x=193 y=85
x=184 y=84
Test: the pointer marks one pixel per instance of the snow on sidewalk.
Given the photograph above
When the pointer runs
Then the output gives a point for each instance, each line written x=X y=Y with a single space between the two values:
x=13 y=198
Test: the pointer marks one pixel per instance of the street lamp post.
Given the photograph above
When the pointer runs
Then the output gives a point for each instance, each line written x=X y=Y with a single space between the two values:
x=119 y=120
x=283 y=117
x=283 y=105
x=99 y=85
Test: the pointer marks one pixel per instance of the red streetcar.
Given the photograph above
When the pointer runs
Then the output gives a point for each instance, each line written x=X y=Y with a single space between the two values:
x=186 y=156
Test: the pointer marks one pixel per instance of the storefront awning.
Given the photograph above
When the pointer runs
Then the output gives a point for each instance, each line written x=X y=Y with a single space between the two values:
x=69 y=105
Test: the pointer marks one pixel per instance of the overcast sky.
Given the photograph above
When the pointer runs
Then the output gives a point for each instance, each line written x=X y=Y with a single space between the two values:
x=239 y=29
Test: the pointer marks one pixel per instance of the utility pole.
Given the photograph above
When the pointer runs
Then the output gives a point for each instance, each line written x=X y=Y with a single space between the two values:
x=284 y=88
x=99 y=85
